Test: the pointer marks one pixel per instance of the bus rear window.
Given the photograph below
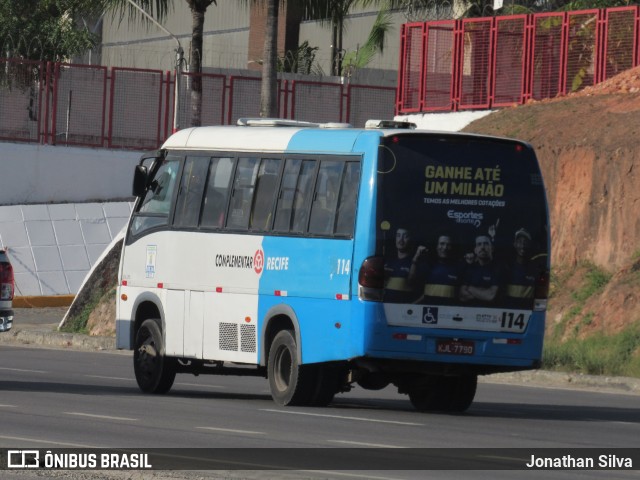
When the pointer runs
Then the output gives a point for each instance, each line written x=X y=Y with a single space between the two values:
x=462 y=220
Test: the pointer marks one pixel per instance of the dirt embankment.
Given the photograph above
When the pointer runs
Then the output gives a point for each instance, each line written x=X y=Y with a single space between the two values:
x=588 y=145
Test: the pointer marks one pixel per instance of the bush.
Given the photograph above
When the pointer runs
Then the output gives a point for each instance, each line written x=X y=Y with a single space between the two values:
x=617 y=354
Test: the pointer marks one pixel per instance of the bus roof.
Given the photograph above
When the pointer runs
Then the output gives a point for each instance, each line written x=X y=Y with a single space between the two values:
x=278 y=135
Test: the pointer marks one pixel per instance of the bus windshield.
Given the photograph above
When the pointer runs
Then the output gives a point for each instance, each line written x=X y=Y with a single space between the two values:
x=461 y=221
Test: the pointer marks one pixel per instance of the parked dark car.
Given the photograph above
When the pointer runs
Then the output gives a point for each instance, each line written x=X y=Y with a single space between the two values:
x=6 y=292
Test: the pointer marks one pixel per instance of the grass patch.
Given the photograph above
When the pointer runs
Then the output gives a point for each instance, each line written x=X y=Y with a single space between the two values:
x=77 y=322
x=617 y=354
x=595 y=279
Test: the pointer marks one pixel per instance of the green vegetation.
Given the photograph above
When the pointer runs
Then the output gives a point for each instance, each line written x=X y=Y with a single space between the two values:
x=597 y=354
x=43 y=29
x=617 y=354
x=77 y=320
x=595 y=279
x=98 y=289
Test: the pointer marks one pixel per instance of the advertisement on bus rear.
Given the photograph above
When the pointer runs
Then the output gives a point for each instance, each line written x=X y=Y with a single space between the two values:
x=461 y=222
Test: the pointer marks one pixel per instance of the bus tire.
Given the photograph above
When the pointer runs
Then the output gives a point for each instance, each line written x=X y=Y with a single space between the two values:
x=154 y=371
x=462 y=391
x=427 y=398
x=446 y=394
x=290 y=383
x=328 y=382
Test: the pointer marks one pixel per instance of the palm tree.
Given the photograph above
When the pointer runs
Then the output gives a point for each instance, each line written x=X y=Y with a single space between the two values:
x=269 y=87
x=334 y=12
x=361 y=57
x=158 y=9
x=198 y=9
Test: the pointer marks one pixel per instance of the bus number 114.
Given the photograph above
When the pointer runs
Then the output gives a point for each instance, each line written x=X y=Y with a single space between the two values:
x=511 y=321
x=344 y=266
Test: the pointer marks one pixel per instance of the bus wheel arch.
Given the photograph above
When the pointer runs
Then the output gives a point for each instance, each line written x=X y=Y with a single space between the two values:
x=281 y=317
x=145 y=310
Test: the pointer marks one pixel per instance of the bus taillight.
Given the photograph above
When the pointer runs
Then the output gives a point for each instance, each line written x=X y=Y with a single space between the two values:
x=542 y=285
x=371 y=279
x=541 y=291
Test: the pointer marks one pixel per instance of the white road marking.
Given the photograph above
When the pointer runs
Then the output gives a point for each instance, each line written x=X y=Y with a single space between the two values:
x=109 y=378
x=363 y=444
x=230 y=430
x=222 y=387
x=33 y=441
x=7 y=406
x=104 y=417
x=351 y=475
x=342 y=417
x=22 y=370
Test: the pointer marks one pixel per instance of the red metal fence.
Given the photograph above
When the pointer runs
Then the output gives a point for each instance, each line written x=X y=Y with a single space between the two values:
x=481 y=63
x=95 y=106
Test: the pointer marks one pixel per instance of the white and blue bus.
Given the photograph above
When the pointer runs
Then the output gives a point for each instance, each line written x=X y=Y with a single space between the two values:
x=323 y=256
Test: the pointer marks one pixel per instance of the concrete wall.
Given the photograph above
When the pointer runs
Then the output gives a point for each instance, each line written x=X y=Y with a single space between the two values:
x=53 y=247
x=449 y=122
x=60 y=207
x=45 y=174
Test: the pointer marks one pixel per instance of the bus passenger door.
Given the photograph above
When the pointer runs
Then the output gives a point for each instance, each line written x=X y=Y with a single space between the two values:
x=193 y=325
x=174 y=312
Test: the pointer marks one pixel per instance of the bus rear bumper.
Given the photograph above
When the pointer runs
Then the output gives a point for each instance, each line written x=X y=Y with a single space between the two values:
x=475 y=351
x=394 y=367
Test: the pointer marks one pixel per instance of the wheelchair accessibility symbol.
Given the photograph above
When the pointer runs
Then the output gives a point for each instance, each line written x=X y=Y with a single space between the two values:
x=430 y=315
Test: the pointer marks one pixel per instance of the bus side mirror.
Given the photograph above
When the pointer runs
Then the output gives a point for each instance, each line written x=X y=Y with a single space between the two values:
x=140 y=180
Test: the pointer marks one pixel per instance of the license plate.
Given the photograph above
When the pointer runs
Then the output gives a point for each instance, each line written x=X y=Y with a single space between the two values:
x=455 y=347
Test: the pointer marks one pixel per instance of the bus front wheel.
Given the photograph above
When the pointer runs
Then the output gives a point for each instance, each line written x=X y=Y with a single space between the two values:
x=154 y=371
x=290 y=383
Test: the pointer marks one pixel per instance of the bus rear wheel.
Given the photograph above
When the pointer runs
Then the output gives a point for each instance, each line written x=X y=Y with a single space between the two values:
x=329 y=379
x=290 y=383
x=154 y=371
x=447 y=394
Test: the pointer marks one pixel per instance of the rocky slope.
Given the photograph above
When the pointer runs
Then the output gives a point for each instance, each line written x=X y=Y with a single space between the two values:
x=588 y=145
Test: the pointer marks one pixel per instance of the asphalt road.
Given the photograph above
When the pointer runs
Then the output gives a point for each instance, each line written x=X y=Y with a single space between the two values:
x=66 y=398
x=56 y=398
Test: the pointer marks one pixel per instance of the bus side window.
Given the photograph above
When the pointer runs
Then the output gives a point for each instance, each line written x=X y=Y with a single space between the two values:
x=348 y=199
x=292 y=208
x=242 y=193
x=325 y=200
x=215 y=200
x=190 y=194
x=158 y=197
x=266 y=187
x=156 y=204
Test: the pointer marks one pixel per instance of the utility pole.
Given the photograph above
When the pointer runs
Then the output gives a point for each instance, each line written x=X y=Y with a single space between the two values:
x=179 y=63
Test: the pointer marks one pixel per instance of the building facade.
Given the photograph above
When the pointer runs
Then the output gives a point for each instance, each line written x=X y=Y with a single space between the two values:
x=234 y=37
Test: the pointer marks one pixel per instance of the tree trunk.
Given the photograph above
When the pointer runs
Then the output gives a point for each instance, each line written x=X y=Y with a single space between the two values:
x=340 y=52
x=269 y=88
x=195 y=65
x=334 y=47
